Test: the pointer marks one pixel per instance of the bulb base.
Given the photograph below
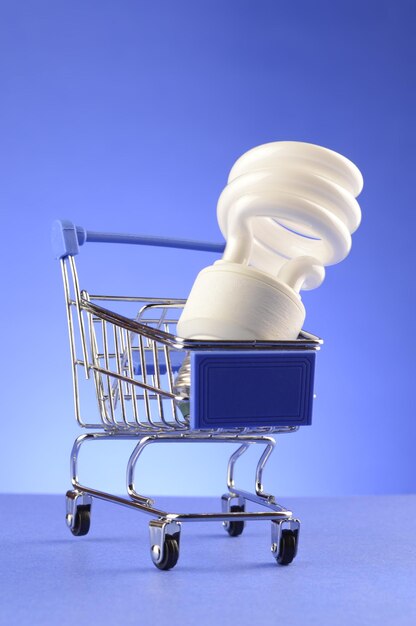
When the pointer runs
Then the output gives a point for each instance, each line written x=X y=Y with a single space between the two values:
x=236 y=302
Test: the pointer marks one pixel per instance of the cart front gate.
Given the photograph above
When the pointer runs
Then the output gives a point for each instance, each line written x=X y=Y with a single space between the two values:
x=152 y=386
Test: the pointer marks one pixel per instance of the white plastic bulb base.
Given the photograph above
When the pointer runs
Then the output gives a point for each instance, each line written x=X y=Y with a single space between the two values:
x=237 y=302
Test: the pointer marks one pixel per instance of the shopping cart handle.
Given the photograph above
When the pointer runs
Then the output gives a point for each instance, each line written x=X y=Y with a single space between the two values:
x=67 y=238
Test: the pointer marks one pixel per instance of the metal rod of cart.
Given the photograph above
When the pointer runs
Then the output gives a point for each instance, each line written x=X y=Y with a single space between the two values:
x=152 y=386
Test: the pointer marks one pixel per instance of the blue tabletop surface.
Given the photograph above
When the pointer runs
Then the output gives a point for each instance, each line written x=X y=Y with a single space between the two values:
x=356 y=565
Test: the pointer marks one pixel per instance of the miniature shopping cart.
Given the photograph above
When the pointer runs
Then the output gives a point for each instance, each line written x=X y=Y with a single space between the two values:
x=152 y=386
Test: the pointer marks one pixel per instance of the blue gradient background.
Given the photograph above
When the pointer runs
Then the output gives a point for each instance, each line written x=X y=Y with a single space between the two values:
x=127 y=116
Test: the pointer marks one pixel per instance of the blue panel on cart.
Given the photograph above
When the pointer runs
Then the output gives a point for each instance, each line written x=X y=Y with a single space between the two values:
x=249 y=389
x=176 y=358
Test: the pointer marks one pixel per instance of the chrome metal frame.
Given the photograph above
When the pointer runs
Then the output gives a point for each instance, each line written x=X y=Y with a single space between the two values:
x=112 y=354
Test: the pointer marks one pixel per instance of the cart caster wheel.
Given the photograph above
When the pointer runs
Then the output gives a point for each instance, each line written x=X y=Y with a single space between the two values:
x=287 y=547
x=82 y=520
x=164 y=542
x=171 y=549
x=234 y=529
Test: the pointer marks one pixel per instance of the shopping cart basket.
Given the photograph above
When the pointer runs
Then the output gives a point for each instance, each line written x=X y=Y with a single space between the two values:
x=152 y=386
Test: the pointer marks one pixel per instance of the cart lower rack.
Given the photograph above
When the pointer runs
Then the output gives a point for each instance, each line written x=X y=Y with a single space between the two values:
x=152 y=386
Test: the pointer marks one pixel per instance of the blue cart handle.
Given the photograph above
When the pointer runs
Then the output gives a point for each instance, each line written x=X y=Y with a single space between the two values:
x=67 y=238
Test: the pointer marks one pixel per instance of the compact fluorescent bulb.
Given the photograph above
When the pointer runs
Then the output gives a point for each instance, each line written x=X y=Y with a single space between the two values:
x=288 y=210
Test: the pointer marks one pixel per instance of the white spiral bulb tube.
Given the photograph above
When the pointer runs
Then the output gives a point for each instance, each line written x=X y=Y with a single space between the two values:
x=288 y=210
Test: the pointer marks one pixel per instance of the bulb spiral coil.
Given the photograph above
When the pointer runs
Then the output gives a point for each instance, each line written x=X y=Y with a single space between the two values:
x=289 y=209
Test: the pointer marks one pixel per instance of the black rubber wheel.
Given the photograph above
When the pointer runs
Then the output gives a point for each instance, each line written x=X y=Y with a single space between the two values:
x=287 y=548
x=234 y=529
x=171 y=553
x=82 y=520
